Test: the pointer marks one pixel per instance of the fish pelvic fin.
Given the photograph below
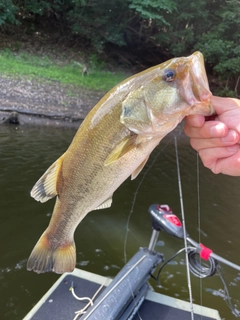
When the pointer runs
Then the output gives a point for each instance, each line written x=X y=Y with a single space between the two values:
x=106 y=204
x=46 y=258
x=125 y=146
x=46 y=187
x=139 y=169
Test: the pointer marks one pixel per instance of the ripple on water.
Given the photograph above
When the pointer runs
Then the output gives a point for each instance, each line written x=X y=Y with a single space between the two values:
x=25 y=154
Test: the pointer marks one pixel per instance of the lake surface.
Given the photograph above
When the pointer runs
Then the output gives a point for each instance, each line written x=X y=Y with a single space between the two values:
x=26 y=152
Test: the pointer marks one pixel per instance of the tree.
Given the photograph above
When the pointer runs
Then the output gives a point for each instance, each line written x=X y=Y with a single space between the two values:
x=8 y=13
x=149 y=30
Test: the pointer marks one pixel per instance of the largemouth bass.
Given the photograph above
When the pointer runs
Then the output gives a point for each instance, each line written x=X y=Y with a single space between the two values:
x=114 y=142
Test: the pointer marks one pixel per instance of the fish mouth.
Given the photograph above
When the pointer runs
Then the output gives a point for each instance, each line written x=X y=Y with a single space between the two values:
x=195 y=89
x=204 y=108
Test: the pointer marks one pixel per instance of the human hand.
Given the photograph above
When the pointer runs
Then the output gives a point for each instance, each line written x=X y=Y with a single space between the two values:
x=218 y=140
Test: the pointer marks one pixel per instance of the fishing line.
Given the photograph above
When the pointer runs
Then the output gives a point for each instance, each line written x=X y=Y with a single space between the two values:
x=135 y=198
x=199 y=223
x=195 y=267
x=202 y=270
x=198 y=200
x=184 y=230
x=227 y=295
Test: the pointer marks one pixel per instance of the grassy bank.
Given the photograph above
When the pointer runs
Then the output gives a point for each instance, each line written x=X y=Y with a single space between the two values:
x=72 y=72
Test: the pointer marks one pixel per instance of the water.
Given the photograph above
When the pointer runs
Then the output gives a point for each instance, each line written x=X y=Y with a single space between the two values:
x=26 y=152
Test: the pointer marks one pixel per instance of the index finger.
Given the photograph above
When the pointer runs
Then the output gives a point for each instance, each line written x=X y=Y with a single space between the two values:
x=210 y=129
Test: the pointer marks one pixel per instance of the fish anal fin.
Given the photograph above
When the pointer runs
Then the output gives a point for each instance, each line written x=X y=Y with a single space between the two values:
x=125 y=146
x=46 y=187
x=106 y=204
x=139 y=169
x=45 y=258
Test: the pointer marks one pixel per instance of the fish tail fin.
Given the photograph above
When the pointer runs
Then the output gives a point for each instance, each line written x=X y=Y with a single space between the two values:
x=46 y=257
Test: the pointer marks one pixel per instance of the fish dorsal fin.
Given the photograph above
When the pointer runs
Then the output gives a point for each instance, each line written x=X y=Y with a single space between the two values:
x=106 y=204
x=139 y=169
x=125 y=146
x=45 y=188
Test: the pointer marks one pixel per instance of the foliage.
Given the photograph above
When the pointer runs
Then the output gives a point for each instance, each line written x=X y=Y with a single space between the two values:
x=148 y=30
x=8 y=12
x=153 y=10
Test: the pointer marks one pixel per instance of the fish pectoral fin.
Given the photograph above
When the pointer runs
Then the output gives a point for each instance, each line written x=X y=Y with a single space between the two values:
x=46 y=187
x=125 y=146
x=139 y=169
x=106 y=204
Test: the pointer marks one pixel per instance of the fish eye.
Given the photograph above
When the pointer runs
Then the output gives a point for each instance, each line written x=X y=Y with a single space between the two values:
x=169 y=75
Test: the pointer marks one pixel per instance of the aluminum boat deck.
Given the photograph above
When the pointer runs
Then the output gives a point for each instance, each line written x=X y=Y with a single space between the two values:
x=59 y=304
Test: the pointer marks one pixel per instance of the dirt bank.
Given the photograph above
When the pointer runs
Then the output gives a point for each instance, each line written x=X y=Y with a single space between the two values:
x=43 y=102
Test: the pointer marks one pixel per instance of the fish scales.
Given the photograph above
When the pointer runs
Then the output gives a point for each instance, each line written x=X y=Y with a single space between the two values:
x=113 y=143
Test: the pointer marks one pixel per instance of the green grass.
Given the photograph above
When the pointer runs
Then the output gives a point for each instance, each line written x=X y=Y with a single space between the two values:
x=45 y=68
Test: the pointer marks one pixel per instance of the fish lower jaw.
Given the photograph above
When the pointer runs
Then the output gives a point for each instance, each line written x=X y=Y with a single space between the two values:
x=203 y=108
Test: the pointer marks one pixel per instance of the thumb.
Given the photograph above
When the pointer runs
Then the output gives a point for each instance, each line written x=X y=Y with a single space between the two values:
x=228 y=112
x=222 y=105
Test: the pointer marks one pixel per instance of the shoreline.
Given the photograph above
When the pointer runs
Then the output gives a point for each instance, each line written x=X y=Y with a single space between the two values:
x=19 y=118
x=45 y=103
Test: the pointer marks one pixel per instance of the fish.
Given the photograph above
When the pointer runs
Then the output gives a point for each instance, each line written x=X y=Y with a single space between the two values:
x=113 y=143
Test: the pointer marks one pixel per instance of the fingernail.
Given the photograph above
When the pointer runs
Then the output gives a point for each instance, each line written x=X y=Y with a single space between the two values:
x=217 y=130
x=230 y=137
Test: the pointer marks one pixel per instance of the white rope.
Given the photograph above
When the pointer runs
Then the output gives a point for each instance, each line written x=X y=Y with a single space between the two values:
x=90 y=300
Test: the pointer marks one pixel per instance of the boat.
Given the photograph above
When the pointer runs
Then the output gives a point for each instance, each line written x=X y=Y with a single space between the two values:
x=59 y=303
x=88 y=296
